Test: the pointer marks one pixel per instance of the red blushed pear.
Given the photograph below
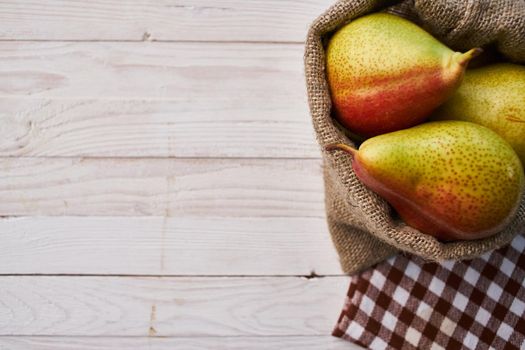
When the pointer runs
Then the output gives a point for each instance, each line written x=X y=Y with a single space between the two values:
x=453 y=180
x=386 y=74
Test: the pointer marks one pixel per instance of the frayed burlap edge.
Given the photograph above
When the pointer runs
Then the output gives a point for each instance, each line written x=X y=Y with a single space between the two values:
x=360 y=222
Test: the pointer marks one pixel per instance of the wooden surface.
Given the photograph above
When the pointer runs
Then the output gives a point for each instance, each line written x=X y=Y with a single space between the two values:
x=160 y=184
x=169 y=20
x=323 y=342
x=167 y=127
x=181 y=246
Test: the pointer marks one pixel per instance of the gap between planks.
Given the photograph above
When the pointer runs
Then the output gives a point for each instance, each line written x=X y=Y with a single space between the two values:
x=304 y=342
x=262 y=42
x=139 y=158
x=312 y=276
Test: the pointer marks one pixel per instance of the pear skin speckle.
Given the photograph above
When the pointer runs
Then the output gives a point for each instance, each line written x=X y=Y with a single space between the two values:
x=450 y=179
x=386 y=73
x=492 y=96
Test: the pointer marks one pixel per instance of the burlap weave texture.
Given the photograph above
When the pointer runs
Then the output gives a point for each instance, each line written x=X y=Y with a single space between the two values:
x=362 y=225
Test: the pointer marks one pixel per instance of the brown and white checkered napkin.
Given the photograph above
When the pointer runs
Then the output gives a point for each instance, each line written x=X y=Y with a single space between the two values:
x=408 y=303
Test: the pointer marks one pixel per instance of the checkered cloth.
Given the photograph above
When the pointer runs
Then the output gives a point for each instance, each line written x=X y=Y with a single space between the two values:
x=407 y=303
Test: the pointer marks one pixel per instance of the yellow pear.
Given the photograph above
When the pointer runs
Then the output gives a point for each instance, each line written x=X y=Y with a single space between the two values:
x=449 y=179
x=492 y=96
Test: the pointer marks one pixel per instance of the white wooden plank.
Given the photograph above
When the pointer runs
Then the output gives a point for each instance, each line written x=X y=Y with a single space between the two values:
x=166 y=187
x=156 y=343
x=221 y=20
x=166 y=246
x=154 y=99
x=244 y=74
x=194 y=99
x=190 y=307
x=217 y=127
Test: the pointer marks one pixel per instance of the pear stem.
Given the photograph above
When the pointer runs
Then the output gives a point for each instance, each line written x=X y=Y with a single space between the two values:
x=469 y=55
x=341 y=147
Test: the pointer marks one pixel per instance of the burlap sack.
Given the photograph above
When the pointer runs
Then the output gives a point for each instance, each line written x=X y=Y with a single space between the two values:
x=362 y=225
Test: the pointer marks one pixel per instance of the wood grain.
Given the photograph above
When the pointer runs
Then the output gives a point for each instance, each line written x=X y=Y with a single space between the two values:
x=248 y=75
x=218 y=20
x=152 y=138
x=154 y=99
x=161 y=187
x=166 y=246
x=191 y=307
x=158 y=343
x=220 y=127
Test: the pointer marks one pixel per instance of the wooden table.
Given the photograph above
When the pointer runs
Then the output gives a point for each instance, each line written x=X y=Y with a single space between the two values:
x=160 y=186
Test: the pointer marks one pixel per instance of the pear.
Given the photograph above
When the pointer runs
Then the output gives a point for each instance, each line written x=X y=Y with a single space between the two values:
x=493 y=96
x=449 y=179
x=386 y=73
